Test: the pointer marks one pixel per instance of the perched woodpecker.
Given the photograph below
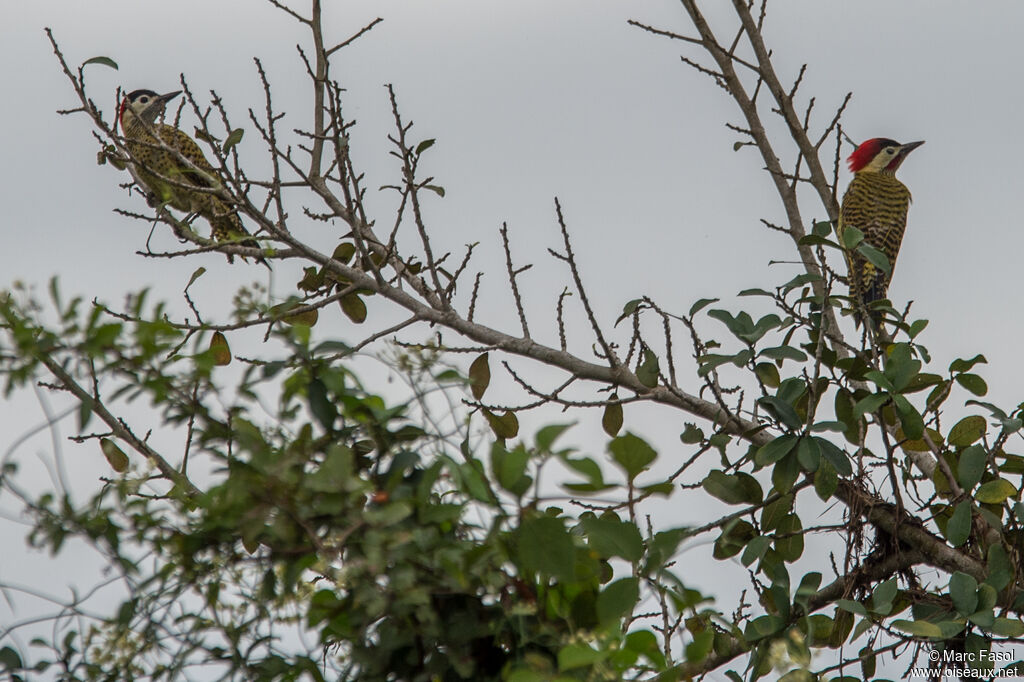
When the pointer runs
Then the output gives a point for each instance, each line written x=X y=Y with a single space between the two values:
x=160 y=171
x=875 y=203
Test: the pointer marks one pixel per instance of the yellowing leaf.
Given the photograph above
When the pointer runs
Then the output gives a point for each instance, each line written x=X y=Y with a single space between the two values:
x=994 y=492
x=220 y=348
x=967 y=430
x=479 y=376
x=308 y=318
x=611 y=421
x=354 y=308
x=115 y=455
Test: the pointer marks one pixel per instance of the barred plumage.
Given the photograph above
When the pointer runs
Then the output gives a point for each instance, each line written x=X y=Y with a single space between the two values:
x=875 y=203
x=157 y=168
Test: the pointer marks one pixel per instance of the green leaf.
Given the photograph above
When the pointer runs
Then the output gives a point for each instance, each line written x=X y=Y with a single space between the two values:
x=691 y=434
x=789 y=541
x=960 y=365
x=967 y=430
x=963 y=590
x=115 y=456
x=234 y=137
x=958 y=528
x=1007 y=627
x=195 y=275
x=875 y=257
x=782 y=411
x=920 y=382
x=775 y=511
x=320 y=405
x=775 y=450
x=578 y=655
x=817 y=240
x=700 y=647
x=10 y=659
x=734 y=537
x=973 y=383
x=839 y=460
x=630 y=308
x=809 y=584
x=799 y=281
x=645 y=643
x=611 y=420
x=882 y=597
x=739 y=488
x=854 y=607
x=869 y=404
x=901 y=366
x=768 y=373
x=755 y=549
x=910 y=418
x=504 y=426
x=544 y=546
x=868 y=662
x=1000 y=570
x=919 y=629
x=546 y=436
x=809 y=454
x=763 y=626
x=388 y=515
x=480 y=375
x=851 y=237
x=509 y=466
x=424 y=146
x=617 y=599
x=343 y=252
x=701 y=304
x=785 y=472
x=84 y=414
x=971 y=467
x=995 y=492
x=825 y=481
x=588 y=467
x=105 y=61
x=783 y=353
x=436 y=189
x=632 y=453
x=647 y=372
x=611 y=537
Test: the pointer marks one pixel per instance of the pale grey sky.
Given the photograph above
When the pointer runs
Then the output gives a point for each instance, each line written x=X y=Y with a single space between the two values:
x=532 y=99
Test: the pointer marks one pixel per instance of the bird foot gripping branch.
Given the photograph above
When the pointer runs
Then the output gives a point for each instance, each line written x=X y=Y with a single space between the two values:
x=171 y=168
x=872 y=220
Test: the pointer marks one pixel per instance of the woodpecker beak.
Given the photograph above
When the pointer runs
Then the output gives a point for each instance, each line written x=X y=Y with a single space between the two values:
x=909 y=147
x=171 y=95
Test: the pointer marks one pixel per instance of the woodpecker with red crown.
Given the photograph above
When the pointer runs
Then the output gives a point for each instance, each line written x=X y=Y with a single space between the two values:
x=171 y=168
x=875 y=203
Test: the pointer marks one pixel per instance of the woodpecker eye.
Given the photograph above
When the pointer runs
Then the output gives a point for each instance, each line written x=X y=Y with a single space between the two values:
x=890 y=150
x=144 y=99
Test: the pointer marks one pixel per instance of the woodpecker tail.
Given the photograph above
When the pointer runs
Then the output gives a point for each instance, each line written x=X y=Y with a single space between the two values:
x=227 y=226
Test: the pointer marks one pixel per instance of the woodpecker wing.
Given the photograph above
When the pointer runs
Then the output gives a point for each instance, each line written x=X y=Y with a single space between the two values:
x=204 y=174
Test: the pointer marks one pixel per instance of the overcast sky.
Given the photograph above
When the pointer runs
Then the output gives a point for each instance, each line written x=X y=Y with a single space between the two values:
x=537 y=98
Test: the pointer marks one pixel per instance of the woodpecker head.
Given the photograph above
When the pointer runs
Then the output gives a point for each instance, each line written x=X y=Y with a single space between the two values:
x=880 y=155
x=143 y=105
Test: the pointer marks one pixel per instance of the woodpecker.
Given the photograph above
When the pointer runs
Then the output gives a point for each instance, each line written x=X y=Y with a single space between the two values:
x=160 y=171
x=875 y=203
